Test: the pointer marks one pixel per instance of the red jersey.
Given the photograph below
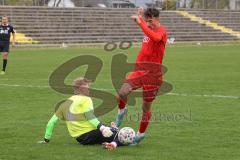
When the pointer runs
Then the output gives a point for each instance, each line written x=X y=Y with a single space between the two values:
x=148 y=73
x=153 y=44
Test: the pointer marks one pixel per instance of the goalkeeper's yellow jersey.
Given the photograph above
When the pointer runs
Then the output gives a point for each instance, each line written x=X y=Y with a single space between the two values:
x=73 y=111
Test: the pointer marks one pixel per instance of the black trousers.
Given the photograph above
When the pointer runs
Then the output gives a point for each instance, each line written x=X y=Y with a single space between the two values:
x=95 y=137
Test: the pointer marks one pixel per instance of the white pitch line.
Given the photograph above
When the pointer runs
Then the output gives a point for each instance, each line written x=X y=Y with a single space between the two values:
x=106 y=89
x=176 y=80
x=25 y=86
x=203 y=95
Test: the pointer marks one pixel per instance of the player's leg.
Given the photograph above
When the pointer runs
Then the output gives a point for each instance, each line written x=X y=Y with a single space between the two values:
x=132 y=82
x=149 y=94
x=95 y=137
x=89 y=138
x=5 y=60
x=125 y=90
x=144 y=123
x=1 y=52
x=5 y=51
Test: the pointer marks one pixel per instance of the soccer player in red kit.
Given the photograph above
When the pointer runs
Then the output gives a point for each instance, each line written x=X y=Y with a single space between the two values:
x=147 y=74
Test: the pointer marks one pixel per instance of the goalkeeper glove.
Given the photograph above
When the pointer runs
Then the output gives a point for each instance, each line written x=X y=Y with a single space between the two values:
x=106 y=131
x=110 y=146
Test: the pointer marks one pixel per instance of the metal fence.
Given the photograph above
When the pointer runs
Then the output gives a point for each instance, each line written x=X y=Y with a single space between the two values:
x=164 y=4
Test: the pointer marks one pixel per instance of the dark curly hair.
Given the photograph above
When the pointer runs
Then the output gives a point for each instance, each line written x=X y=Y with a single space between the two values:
x=151 y=13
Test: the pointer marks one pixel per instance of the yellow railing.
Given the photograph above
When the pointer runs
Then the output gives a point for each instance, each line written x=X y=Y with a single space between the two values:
x=209 y=23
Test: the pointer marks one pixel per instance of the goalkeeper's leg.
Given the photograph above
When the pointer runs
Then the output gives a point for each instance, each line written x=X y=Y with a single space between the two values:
x=95 y=137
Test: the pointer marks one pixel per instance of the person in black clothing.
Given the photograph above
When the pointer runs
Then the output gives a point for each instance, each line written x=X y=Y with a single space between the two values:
x=5 y=34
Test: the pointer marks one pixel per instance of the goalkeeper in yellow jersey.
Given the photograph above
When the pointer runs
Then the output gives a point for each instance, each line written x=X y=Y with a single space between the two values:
x=77 y=112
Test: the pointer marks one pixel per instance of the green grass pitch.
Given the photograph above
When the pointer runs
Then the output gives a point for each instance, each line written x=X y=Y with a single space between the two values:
x=205 y=97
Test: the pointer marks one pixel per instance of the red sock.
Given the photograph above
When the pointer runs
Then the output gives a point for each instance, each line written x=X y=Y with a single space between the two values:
x=146 y=116
x=121 y=104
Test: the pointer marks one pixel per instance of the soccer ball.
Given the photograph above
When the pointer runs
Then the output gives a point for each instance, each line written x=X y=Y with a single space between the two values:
x=126 y=135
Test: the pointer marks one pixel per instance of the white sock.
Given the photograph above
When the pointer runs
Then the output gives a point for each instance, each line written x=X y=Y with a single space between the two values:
x=120 y=111
x=140 y=134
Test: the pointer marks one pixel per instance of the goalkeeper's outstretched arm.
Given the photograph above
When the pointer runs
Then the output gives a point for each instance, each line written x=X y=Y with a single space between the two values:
x=49 y=129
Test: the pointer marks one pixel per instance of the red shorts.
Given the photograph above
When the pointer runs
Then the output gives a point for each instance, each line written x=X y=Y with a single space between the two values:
x=150 y=84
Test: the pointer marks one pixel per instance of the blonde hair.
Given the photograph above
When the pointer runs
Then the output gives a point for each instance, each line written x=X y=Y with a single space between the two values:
x=80 y=81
